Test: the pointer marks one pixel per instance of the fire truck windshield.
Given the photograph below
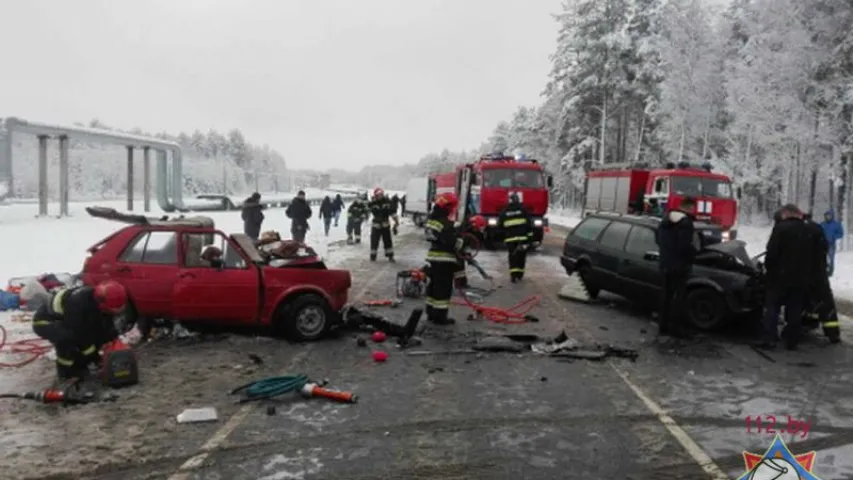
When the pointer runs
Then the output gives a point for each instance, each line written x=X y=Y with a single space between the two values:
x=513 y=178
x=701 y=187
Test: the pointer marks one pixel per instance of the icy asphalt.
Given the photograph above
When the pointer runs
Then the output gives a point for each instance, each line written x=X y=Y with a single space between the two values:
x=489 y=416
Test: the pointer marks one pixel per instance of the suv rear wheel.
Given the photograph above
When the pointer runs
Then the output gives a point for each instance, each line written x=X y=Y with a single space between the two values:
x=706 y=309
x=584 y=272
x=305 y=318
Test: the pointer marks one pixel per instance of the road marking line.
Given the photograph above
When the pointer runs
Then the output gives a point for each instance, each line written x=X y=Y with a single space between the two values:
x=219 y=437
x=693 y=449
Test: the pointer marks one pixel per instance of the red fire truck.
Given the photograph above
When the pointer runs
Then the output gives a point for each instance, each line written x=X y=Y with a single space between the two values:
x=487 y=185
x=636 y=189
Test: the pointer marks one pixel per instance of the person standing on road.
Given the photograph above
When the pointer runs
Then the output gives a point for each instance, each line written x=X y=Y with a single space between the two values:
x=382 y=210
x=78 y=322
x=395 y=203
x=253 y=216
x=403 y=204
x=833 y=231
x=299 y=212
x=442 y=259
x=676 y=253
x=356 y=215
x=820 y=300
x=338 y=207
x=790 y=268
x=327 y=212
x=517 y=228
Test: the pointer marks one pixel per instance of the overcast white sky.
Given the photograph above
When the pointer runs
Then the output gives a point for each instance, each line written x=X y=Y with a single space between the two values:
x=329 y=83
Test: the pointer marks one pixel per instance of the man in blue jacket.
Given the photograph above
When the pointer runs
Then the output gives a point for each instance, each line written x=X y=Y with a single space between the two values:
x=833 y=231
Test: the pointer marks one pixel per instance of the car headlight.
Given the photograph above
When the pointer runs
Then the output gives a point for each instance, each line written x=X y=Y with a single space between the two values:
x=537 y=222
x=493 y=222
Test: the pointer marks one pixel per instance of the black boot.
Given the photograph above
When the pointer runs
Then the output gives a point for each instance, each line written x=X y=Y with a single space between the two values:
x=391 y=259
x=373 y=258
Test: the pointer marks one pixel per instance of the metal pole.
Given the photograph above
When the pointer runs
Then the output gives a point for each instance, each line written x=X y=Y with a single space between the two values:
x=63 y=175
x=42 y=174
x=129 y=178
x=146 y=179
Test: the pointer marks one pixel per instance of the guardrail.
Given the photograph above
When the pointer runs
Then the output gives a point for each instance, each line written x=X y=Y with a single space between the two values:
x=222 y=203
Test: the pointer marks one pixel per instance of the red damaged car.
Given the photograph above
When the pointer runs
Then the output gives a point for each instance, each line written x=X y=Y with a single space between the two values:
x=166 y=266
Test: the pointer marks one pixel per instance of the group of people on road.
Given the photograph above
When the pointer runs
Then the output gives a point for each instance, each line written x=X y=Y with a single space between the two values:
x=798 y=262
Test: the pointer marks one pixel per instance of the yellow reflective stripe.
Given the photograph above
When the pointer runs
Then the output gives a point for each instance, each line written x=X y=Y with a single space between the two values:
x=515 y=239
x=516 y=270
x=435 y=225
x=89 y=350
x=64 y=362
x=514 y=222
x=459 y=274
x=438 y=304
x=56 y=304
x=812 y=315
x=41 y=323
x=830 y=324
x=440 y=254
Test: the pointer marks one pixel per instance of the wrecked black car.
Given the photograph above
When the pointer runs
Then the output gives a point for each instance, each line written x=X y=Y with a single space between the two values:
x=619 y=254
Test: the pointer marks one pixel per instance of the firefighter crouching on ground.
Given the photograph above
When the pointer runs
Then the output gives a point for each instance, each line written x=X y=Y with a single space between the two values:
x=442 y=259
x=517 y=226
x=821 y=302
x=383 y=211
x=472 y=238
x=78 y=322
x=356 y=215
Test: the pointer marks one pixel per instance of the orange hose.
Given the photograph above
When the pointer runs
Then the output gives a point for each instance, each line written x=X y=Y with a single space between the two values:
x=512 y=315
x=34 y=347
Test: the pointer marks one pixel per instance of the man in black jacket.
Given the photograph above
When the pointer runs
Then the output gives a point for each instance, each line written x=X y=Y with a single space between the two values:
x=299 y=212
x=820 y=302
x=676 y=248
x=789 y=264
x=382 y=210
x=253 y=216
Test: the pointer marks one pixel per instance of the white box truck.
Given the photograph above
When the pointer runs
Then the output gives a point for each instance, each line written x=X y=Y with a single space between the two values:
x=418 y=200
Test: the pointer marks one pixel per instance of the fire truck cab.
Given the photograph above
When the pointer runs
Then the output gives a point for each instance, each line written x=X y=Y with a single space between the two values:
x=637 y=189
x=484 y=187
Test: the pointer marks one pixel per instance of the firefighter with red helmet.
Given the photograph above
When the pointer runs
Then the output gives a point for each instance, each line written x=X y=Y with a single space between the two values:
x=78 y=321
x=517 y=226
x=442 y=258
x=383 y=212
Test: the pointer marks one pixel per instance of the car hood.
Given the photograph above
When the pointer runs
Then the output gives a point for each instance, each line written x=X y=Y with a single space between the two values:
x=733 y=248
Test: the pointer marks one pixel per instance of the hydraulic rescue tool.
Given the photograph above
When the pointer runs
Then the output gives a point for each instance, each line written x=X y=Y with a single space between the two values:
x=68 y=395
x=274 y=386
x=119 y=367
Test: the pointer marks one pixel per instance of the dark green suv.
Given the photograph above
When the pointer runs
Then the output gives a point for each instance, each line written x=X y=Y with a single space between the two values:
x=619 y=254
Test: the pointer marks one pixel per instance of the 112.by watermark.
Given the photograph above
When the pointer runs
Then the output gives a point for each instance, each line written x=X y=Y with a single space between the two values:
x=770 y=425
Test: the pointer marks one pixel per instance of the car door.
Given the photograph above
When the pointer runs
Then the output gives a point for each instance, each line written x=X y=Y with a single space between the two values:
x=147 y=268
x=639 y=267
x=583 y=241
x=226 y=294
x=611 y=246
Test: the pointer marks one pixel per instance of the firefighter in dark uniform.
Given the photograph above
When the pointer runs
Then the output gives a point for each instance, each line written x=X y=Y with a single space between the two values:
x=356 y=215
x=821 y=301
x=517 y=227
x=442 y=259
x=78 y=322
x=383 y=211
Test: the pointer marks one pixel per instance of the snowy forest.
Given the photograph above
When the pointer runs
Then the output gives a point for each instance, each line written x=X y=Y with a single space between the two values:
x=213 y=163
x=762 y=89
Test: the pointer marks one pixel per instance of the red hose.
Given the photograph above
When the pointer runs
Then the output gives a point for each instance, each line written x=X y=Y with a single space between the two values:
x=512 y=315
x=34 y=347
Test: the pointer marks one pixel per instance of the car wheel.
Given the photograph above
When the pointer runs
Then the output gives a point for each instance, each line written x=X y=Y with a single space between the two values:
x=306 y=318
x=706 y=309
x=591 y=289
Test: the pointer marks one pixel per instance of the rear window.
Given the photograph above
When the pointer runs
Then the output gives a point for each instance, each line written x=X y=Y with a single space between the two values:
x=590 y=228
x=615 y=235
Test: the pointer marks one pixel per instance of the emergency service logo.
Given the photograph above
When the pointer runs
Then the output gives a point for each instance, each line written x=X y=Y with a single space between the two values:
x=778 y=463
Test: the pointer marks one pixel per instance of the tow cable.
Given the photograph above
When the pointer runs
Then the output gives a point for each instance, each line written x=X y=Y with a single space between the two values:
x=34 y=347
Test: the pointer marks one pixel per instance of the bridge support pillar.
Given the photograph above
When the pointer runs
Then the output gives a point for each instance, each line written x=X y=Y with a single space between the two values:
x=43 y=174
x=146 y=179
x=63 y=175
x=129 y=178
